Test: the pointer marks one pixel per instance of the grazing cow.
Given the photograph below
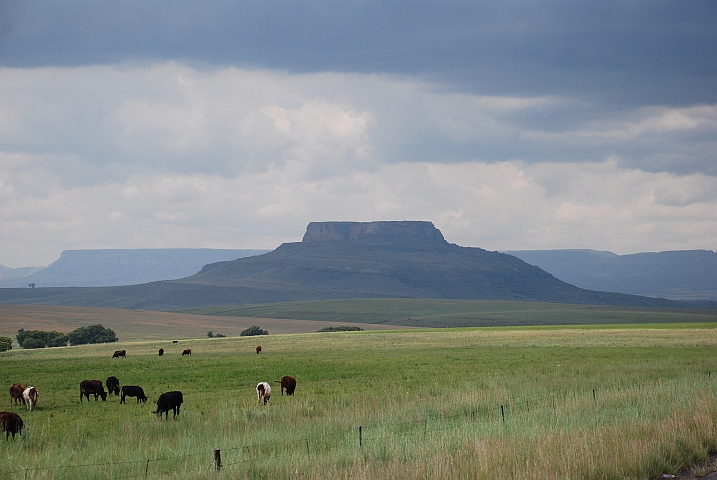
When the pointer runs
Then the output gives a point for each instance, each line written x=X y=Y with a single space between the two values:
x=92 y=387
x=16 y=390
x=120 y=353
x=133 y=391
x=169 y=401
x=161 y=352
x=263 y=391
x=30 y=396
x=187 y=351
x=258 y=349
x=175 y=341
x=288 y=383
x=112 y=385
x=10 y=423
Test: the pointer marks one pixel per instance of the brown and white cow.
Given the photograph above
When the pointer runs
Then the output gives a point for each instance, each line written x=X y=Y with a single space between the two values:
x=16 y=390
x=263 y=391
x=10 y=423
x=30 y=396
x=120 y=353
x=288 y=383
x=92 y=387
x=187 y=351
x=258 y=349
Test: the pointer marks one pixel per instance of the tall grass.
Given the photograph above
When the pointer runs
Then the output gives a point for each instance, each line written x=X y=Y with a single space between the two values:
x=428 y=404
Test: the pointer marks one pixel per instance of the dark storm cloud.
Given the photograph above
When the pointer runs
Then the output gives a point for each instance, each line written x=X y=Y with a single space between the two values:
x=628 y=53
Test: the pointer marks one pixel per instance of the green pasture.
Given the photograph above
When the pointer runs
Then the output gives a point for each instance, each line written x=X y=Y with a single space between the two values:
x=632 y=402
x=416 y=312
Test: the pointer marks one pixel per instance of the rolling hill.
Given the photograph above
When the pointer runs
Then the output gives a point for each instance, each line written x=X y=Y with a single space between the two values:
x=678 y=275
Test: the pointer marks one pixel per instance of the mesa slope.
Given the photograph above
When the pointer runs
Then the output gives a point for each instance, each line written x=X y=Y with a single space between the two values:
x=338 y=260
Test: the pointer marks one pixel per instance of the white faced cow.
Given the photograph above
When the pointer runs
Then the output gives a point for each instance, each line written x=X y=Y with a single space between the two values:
x=263 y=391
x=30 y=396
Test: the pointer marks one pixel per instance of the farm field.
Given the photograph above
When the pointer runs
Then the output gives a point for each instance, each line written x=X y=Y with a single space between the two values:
x=628 y=402
x=131 y=325
x=418 y=312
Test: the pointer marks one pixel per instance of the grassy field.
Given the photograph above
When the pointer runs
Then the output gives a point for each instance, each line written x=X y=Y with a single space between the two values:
x=459 y=313
x=632 y=402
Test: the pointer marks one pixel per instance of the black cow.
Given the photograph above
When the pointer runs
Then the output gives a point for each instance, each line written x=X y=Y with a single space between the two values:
x=161 y=352
x=112 y=385
x=169 y=401
x=92 y=387
x=120 y=353
x=10 y=423
x=133 y=391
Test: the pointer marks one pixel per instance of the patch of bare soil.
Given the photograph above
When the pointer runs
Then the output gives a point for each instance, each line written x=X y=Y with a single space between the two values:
x=707 y=471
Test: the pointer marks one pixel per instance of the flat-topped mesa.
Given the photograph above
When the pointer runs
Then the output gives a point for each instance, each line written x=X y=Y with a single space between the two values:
x=400 y=233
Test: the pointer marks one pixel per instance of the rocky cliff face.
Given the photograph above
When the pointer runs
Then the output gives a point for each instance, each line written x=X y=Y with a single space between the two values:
x=403 y=232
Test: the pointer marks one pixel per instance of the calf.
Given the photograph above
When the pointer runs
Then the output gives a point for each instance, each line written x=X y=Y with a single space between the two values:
x=10 y=423
x=288 y=383
x=169 y=401
x=187 y=351
x=112 y=385
x=16 y=390
x=30 y=396
x=133 y=391
x=161 y=352
x=120 y=353
x=263 y=391
x=258 y=349
x=92 y=387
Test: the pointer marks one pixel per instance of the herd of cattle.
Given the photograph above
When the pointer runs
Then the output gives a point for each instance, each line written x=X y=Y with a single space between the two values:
x=11 y=423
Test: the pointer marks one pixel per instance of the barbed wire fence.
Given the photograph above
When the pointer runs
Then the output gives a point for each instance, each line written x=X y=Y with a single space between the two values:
x=354 y=437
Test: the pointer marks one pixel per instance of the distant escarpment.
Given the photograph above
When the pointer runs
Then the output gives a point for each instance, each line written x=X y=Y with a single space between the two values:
x=407 y=259
x=408 y=235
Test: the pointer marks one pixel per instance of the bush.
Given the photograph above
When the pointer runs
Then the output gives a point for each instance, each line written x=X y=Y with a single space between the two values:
x=91 y=334
x=5 y=344
x=253 y=330
x=342 y=328
x=40 y=339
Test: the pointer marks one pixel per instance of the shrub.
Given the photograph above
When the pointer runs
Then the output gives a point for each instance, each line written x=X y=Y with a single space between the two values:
x=342 y=328
x=5 y=344
x=40 y=339
x=91 y=334
x=253 y=330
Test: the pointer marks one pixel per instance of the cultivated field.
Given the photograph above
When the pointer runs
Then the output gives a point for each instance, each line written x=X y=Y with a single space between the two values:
x=133 y=325
x=416 y=312
x=529 y=402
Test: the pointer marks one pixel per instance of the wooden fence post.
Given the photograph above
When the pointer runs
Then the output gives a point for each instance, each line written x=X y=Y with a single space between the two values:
x=502 y=413
x=218 y=458
x=360 y=437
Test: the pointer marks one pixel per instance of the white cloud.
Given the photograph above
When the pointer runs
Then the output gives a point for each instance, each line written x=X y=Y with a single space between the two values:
x=170 y=156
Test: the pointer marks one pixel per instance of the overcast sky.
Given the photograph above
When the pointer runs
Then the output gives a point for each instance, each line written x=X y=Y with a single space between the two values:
x=509 y=125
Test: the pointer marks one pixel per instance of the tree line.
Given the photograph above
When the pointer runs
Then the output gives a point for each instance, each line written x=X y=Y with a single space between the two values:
x=80 y=336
